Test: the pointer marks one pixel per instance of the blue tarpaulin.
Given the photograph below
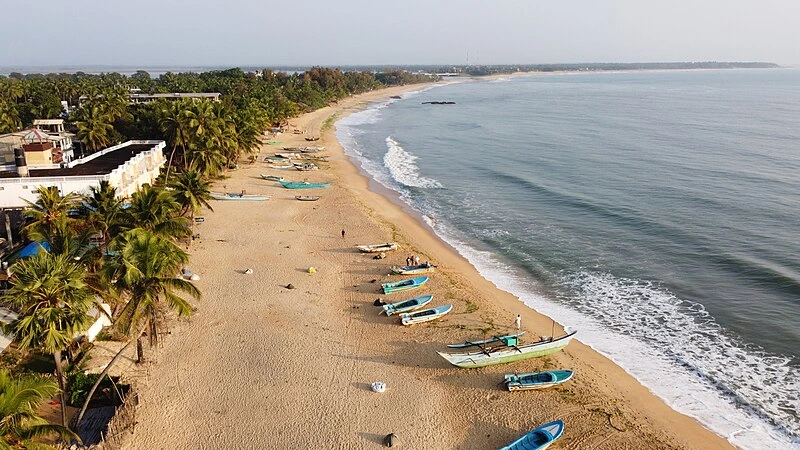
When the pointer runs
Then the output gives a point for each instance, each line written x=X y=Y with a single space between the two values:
x=33 y=248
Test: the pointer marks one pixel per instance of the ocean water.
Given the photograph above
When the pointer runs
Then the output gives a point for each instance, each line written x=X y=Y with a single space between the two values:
x=656 y=212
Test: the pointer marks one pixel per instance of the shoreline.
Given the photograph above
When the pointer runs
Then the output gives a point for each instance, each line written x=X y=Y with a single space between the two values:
x=229 y=376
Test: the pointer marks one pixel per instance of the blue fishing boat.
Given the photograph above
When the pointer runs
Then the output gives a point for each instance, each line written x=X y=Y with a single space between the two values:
x=406 y=305
x=404 y=285
x=536 y=380
x=538 y=439
x=303 y=185
x=413 y=270
x=426 y=315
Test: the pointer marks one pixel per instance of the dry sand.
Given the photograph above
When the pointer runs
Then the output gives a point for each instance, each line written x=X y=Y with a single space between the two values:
x=262 y=366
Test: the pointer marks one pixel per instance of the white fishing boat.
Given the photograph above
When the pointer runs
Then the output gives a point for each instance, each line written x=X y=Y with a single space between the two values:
x=426 y=315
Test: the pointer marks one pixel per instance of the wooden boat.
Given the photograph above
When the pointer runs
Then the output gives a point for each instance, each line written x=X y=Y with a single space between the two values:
x=311 y=149
x=288 y=155
x=306 y=198
x=406 y=305
x=413 y=270
x=312 y=139
x=377 y=248
x=235 y=196
x=536 y=380
x=303 y=185
x=426 y=315
x=508 y=353
x=271 y=177
x=306 y=167
x=404 y=285
x=274 y=166
x=538 y=439
x=506 y=339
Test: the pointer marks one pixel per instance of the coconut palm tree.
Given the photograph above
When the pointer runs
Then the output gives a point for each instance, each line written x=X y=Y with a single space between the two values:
x=9 y=117
x=102 y=211
x=94 y=127
x=143 y=266
x=175 y=120
x=156 y=210
x=52 y=299
x=49 y=218
x=20 y=398
x=192 y=192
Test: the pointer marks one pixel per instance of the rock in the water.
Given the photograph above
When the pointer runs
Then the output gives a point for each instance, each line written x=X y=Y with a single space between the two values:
x=390 y=440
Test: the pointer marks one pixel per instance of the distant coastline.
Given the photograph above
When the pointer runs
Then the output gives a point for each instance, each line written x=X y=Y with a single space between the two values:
x=454 y=70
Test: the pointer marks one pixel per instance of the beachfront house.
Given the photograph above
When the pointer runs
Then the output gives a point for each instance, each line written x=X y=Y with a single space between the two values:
x=126 y=166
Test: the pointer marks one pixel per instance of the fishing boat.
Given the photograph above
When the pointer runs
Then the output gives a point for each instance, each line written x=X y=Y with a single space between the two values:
x=538 y=439
x=404 y=285
x=271 y=177
x=235 y=196
x=426 y=315
x=506 y=339
x=311 y=149
x=536 y=380
x=413 y=270
x=303 y=185
x=377 y=248
x=406 y=305
x=275 y=166
x=306 y=198
x=508 y=353
x=312 y=139
x=306 y=167
x=288 y=155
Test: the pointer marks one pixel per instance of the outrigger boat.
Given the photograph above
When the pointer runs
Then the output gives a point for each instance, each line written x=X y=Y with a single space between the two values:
x=404 y=285
x=426 y=315
x=306 y=198
x=536 y=380
x=508 y=353
x=235 y=196
x=538 y=439
x=506 y=339
x=413 y=270
x=377 y=248
x=406 y=305
x=271 y=177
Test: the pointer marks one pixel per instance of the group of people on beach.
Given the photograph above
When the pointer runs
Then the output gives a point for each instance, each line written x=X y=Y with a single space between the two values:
x=412 y=260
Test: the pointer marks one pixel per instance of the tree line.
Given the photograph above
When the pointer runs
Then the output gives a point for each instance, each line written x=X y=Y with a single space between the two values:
x=98 y=248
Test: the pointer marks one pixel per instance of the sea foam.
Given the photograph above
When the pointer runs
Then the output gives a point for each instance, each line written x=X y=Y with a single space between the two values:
x=402 y=166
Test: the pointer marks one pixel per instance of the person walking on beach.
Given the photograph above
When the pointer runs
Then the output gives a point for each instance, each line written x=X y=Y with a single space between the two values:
x=342 y=233
x=518 y=321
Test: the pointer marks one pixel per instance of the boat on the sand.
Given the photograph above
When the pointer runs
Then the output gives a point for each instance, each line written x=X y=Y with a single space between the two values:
x=271 y=177
x=377 y=248
x=505 y=339
x=536 y=380
x=406 y=305
x=508 y=353
x=413 y=270
x=404 y=285
x=538 y=439
x=303 y=185
x=235 y=196
x=306 y=198
x=426 y=315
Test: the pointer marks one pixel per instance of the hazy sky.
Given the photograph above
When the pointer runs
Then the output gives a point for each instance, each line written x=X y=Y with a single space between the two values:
x=342 y=32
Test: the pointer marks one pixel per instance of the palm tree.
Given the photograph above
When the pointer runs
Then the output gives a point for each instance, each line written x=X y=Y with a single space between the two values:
x=52 y=299
x=20 y=398
x=192 y=192
x=9 y=118
x=102 y=211
x=143 y=266
x=175 y=121
x=156 y=210
x=94 y=127
x=49 y=219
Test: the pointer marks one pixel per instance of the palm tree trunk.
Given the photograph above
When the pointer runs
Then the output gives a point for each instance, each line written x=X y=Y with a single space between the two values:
x=62 y=386
x=100 y=378
x=169 y=164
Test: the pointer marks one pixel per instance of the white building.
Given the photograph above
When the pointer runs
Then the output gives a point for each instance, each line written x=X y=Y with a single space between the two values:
x=126 y=166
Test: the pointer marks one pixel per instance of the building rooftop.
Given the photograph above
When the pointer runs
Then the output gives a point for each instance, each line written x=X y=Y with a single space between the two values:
x=48 y=122
x=100 y=165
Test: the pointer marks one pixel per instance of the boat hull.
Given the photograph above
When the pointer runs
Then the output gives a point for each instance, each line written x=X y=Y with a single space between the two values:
x=505 y=355
x=426 y=315
x=412 y=270
x=378 y=248
x=539 y=438
x=531 y=381
x=303 y=185
x=405 y=285
x=407 y=305
x=239 y=197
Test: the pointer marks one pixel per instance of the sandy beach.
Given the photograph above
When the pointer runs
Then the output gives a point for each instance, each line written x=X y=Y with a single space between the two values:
x=262 y=366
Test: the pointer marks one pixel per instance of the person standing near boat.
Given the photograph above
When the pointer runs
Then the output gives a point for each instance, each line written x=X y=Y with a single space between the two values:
x=416 y=260
x=518 y=321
